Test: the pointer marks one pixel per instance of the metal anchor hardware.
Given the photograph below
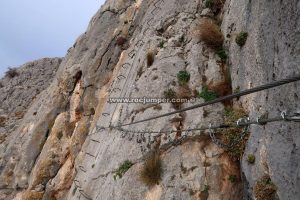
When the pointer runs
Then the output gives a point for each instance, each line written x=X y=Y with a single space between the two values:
x=294 y=117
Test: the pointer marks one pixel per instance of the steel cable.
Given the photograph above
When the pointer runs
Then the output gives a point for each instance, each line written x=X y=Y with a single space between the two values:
x=228 y=97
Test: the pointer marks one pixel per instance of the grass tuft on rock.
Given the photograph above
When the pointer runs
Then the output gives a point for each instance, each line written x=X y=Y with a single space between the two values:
x=209 y=3
x=2 y=121
x=123 y=168
x=241 y=38
x=207 y=95
x=215 y=5
x=121 y=40
x=151 y=171
x=11 y=73
x=174 y=98
x=264 y=189
x=183 y=77
x=251 y=159
x=170 y=94
x=210 y=33
x=232 y=178
x=222 y=54
x=150 y=57
x=206 y=188
x=162 y=44
x=230 y=135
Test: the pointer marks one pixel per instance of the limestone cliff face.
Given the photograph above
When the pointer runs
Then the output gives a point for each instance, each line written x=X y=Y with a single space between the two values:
x=60 y=150
x=19 y=90
x=271 y=52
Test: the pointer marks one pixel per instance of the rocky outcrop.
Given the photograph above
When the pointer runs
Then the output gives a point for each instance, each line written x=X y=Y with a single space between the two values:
x=270 y=53
x=19 y=89
x=70 y=147
x=18 y=92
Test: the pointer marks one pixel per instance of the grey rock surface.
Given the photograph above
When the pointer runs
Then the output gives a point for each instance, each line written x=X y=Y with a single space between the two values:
x=271 y=53
x=18 y=93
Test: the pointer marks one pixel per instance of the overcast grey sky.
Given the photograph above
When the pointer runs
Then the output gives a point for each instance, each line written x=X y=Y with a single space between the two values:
x=34 y=29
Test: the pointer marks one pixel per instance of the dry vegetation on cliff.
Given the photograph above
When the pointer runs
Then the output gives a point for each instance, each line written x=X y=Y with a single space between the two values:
x=151 y=171
x=210 y=33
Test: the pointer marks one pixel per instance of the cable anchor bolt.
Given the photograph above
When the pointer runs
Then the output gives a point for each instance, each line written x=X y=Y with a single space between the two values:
x=243 y=121
x=295 y=117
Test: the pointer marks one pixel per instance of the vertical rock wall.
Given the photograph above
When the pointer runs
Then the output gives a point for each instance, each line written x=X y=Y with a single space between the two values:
x=270 y=53
x=65 y=147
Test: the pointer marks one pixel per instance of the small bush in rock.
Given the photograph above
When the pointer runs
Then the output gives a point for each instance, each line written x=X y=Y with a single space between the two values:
x=215 y=5
x=209 y=3
x=251 y=159
x=222 y=54
x=150 y=58
x=183 y=77
x=181 y=39
x=184 y=92
x=232 y=178
x=74 y=190
x=241 y=38
x=204 y=193
x=151 y=171
x=170 y=94
x=162 y=44
x=210 y=33
x=206 y=187
x=264 y=189
x=123 y=168
x=12 y=72
x=121 y=40
x=230 y=135
x=173 y=97
x=2 y=121
x=207 y=95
